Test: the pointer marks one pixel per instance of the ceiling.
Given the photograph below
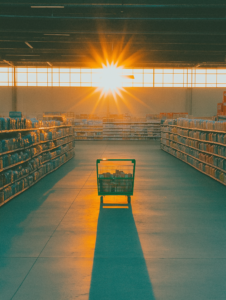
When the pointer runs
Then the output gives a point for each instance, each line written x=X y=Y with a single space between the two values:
x=138 y=34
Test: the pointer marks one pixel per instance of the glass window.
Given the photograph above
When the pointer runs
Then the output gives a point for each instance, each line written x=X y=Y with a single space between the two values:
x=158 y=78
x=86 y=77
x=138 y=78
x=56 y=78
x=64 y=77
x=221 y=78
x=3 y=77
x=92 y=77
x=75 y=77
x=178 y=78
x=200 y=78
x=21 y=77
x=148 y=78
x=168 y=78
x=42 y=77
x=31 y=77
x=211 y=78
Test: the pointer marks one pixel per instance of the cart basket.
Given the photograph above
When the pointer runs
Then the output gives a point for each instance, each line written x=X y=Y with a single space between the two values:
x=115 y=176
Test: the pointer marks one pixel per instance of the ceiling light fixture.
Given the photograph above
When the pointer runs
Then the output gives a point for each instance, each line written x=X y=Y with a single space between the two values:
x=29 y=45
x=46 y=6
x=60 y=34
x=49 y=64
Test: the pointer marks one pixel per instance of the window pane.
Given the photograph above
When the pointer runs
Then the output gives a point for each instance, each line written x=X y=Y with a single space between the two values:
x=86 y=84
x=31 y=70
x=75 y=77
x=85 y=77
x=56 y=77
x=168 y=78
x=3 y=77
x=42 y=84
x=21 y=77
x=138 y=71
x=211 y=71
x=178 y=78
x=21 y=70
x=148 y=78
x=64 y=77
x=221 y=71
x=168 y=71
x=75 y=70
x=64 y=84
x=178 y=71
x=138 y=78
x=221 y=78
x=42 y=77
x=200 y=78
x=41 y=70
x=200 y=71
x=158 y=78
x=148 y=71
x=211 y=78
x=31 y=77
x=127 y=84
x=64 y=70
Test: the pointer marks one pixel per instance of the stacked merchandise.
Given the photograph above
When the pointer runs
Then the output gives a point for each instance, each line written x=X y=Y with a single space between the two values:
x=200 y=143
x=88 y=129
x=21 y=124
x=25 y=157
x=117 y=182
x=221 y=107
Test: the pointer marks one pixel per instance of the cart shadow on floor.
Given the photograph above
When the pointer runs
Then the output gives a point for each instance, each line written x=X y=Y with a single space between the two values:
x=119 y=268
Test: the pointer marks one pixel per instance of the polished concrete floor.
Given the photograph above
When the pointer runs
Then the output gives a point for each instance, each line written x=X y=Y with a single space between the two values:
x=58 y=243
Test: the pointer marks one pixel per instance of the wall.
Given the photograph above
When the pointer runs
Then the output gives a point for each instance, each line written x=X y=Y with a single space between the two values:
x=33 y=101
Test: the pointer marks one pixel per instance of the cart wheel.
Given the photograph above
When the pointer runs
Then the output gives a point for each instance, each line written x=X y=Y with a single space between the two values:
x=101 y=199
x=129 y=199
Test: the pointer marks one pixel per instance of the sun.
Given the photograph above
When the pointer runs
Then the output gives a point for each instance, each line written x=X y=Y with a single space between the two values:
x=110 y=78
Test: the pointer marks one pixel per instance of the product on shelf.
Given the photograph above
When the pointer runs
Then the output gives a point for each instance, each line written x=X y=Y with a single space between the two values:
x=196 y=145
x=26 y=157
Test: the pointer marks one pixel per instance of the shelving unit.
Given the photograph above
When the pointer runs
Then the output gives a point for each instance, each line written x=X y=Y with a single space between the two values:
x=205 y=155
x=116 y=129
x=37 y=165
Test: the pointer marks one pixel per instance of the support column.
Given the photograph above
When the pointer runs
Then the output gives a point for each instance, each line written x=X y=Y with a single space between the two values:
x=188 y=103
x=14 y=91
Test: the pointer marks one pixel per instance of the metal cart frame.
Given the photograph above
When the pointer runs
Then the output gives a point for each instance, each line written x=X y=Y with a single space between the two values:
x=102 y=193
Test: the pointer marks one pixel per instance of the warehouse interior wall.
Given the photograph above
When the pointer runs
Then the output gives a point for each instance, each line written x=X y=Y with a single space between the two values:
x=33 y=101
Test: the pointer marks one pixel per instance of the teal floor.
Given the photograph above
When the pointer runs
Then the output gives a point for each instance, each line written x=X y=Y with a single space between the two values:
x=58 y=243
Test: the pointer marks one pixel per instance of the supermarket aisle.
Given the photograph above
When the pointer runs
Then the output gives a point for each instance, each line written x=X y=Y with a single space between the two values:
x=57 y=242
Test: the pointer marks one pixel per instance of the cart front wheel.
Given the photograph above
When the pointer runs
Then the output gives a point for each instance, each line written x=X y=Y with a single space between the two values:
x=129 y=199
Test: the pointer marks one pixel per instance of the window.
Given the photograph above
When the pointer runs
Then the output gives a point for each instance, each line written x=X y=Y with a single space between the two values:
x=92 y=77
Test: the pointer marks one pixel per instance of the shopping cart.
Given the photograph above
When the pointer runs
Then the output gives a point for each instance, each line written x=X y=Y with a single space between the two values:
x=115 y=177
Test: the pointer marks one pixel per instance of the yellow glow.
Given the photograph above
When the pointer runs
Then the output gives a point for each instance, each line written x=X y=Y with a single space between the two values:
x=110 y=78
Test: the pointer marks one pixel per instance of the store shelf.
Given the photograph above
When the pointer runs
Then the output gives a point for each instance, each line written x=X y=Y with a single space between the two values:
x=204 y=141
x=24 y=161
x=202 y=161
x=33 y=145
x=192 y=165
x=17 y=194
x=196 y=129
x=186 y=147
x=33 y=129
x=211 y=153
